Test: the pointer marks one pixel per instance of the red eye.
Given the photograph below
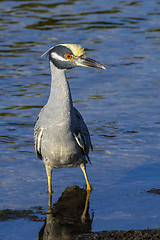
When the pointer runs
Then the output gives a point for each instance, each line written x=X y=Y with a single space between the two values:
x=68 y=56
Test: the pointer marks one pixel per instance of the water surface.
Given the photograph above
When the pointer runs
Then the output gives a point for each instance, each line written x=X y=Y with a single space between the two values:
x=121 y=107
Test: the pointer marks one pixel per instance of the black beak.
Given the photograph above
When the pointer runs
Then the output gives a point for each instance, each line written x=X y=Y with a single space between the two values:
x=88 y=62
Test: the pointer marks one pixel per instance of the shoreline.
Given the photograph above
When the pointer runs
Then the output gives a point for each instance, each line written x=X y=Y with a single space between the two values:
x=121 y=234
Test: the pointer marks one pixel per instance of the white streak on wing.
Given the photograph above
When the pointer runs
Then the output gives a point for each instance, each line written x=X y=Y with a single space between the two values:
x=78 y=141
x=39 y=140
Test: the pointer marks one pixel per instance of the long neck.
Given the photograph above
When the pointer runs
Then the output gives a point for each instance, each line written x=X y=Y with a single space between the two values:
x=60 y=100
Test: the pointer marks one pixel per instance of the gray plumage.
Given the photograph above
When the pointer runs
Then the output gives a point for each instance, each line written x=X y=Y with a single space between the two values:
x=60 y=134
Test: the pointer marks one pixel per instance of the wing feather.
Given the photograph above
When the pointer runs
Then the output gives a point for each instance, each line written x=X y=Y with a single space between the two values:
x=38 y=132
x=82 y=134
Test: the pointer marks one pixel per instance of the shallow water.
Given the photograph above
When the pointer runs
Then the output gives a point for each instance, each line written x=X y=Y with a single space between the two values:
x=121 y=107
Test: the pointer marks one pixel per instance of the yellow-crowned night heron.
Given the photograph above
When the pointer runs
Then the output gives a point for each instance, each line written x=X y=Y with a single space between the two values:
x=61 y=136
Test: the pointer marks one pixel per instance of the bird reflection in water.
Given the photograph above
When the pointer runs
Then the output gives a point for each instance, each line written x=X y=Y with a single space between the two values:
x=68 y=217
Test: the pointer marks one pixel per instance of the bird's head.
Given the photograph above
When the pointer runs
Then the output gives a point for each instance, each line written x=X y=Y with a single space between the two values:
x=67 y=56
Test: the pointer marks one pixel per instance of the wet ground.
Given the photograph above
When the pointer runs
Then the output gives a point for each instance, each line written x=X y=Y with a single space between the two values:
x=119 y=235
x=121 y=107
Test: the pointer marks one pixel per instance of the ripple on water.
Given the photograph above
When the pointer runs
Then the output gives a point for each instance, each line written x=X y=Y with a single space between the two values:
x=120 y=106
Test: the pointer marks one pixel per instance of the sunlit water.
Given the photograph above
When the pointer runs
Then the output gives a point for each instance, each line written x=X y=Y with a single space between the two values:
x=121 y=107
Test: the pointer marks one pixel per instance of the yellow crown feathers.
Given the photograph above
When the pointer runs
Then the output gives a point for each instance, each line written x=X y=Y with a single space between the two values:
x=76 y=49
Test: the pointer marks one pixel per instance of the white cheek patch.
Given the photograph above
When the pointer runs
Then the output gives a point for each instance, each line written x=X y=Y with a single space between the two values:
x=58 y=57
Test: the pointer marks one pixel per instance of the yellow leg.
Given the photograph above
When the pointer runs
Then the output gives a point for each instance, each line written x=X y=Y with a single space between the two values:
x=49 y=185
x=49 y=176
x=83 y=167
x=50 y=191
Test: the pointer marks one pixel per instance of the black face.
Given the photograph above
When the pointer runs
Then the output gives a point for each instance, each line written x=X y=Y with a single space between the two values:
x=62 y=52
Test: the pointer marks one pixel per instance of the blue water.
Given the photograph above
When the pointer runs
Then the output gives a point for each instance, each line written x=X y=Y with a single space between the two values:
x=121 y=107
